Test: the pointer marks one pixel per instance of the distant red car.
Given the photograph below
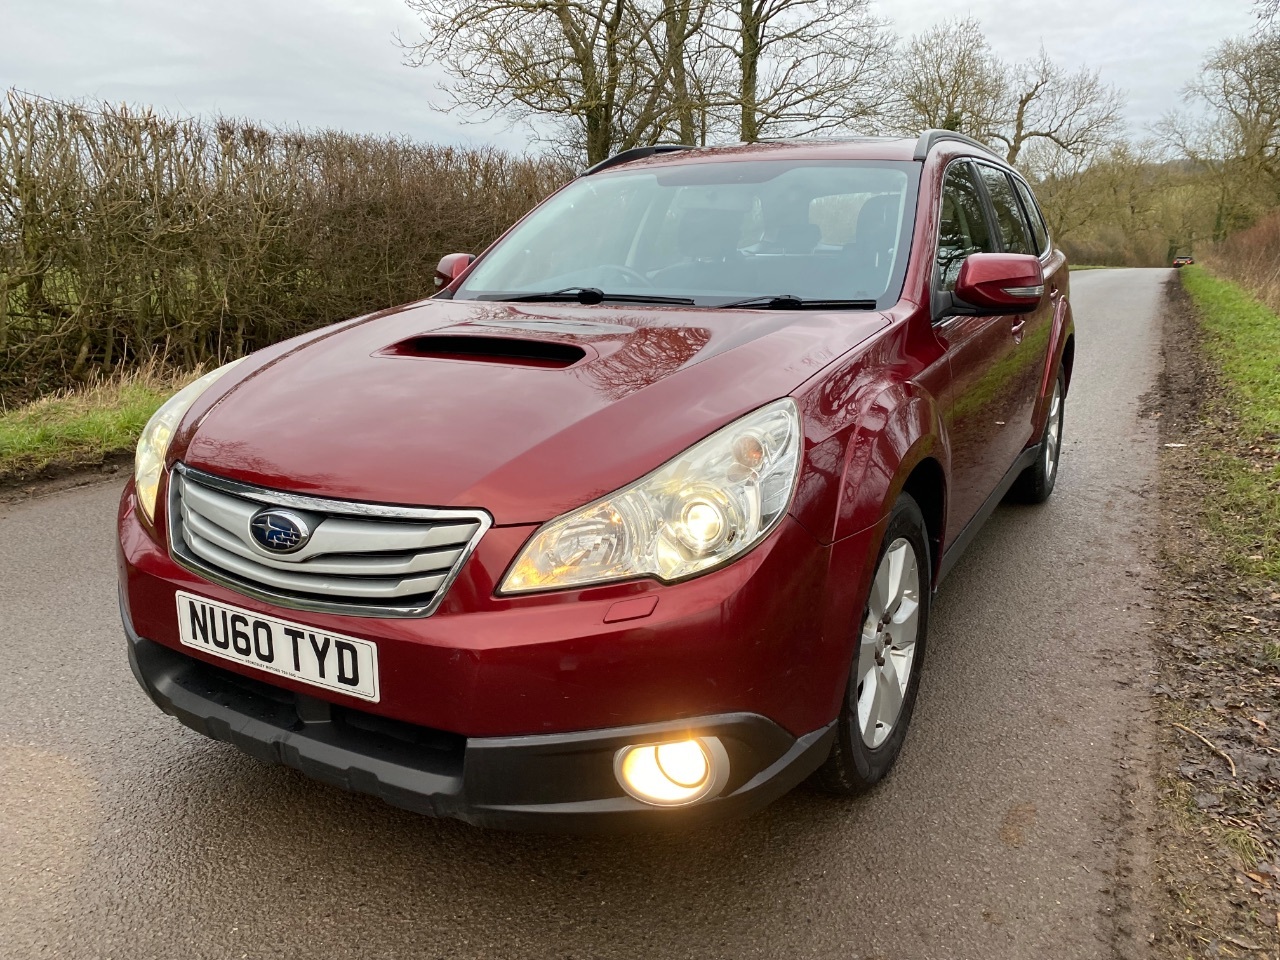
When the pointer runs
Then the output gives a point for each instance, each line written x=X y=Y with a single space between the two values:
x=639 y=518
x=1183 y=261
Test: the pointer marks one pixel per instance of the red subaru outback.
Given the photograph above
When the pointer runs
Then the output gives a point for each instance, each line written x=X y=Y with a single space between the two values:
x=637 y=518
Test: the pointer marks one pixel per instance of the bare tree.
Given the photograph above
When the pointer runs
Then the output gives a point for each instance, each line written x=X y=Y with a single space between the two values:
x=606 y=75
x=1076 y=112
x=1232 y=135
x=591 y=67
x=682 y=23
x=949 y=79
x=1241 y=84
x=803 y=66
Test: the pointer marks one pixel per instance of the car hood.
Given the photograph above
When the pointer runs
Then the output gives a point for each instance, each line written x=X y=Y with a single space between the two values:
x=399 y=408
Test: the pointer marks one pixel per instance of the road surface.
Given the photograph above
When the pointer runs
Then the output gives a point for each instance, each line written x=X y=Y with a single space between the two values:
x=1012 y=826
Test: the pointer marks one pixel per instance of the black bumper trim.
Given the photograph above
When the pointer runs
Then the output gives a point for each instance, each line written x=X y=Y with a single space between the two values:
x=552 y=783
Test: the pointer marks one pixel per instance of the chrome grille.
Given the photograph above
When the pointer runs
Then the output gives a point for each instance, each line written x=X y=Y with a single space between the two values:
x=363 y=559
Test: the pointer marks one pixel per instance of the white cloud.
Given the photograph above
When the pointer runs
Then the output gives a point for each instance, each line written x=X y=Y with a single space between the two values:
x=1149 y=48
x=322 y=63
x=334 y=63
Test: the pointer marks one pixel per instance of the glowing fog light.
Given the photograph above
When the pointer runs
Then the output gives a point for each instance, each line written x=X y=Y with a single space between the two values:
x=673 y=773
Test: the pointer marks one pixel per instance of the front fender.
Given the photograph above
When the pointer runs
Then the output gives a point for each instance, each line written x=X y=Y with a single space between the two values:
x=854 y=475
x=864 y=461
x=880 y=461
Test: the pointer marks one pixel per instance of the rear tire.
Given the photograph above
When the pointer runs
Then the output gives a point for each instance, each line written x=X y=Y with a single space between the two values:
x=885 y=674
x=1035 y=484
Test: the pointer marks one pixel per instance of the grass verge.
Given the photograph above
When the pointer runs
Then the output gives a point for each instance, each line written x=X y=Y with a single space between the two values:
x=1243 y=337
x=82 y=428
x=1218 y=624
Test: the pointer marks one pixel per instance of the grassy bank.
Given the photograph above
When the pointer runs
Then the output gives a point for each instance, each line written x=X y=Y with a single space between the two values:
x=1243 y=337
x=1251 y=258
x=82 y=428
x=1217 y=621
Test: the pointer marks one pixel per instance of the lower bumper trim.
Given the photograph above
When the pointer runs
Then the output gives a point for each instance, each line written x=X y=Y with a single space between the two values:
x=551 y=783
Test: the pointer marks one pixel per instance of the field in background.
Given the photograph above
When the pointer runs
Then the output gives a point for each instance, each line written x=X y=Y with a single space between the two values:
x=127 y=236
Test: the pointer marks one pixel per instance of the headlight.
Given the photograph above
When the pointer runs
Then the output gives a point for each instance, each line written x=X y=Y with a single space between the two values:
x=148 y=462
x=698 y=511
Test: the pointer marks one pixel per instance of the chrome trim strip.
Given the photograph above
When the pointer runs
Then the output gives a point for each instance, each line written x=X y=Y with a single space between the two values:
x=350 y=508
x=182 y=555
x=326 y=565
x=370 y=589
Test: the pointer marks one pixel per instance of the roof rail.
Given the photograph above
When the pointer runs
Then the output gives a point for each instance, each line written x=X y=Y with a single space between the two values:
x=930 y=138
x=635 y=153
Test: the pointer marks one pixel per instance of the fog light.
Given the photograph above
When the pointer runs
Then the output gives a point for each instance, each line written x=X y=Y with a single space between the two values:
x=673 y=773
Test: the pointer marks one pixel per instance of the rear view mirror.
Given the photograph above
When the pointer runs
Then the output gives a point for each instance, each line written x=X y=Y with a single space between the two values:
x=998 y=283
x=451 y=267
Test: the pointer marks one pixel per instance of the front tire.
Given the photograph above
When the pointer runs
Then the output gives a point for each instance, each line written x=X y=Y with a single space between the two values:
x=885 y=675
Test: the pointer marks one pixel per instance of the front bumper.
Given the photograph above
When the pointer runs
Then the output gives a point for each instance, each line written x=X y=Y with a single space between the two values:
x=555 y=782
x=770 y=634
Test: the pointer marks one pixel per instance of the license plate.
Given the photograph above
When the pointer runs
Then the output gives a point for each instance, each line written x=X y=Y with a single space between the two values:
x=292 y=650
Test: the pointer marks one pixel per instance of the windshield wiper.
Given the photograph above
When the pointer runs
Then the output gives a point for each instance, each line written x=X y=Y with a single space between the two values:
x=786 y=301
x=588 y=296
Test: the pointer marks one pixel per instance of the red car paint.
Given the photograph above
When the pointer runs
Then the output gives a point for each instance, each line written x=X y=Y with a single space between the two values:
x=886 y=397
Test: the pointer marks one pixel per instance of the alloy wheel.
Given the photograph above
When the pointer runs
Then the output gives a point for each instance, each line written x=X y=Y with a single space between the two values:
x=1053 y=432
x=887 y=649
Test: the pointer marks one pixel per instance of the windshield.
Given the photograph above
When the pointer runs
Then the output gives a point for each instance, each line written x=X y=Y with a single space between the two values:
x=714 y=233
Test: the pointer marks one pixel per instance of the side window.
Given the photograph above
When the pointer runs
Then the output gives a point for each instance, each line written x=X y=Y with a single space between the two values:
x=1013 y=228
x=963 y=228
x=1038 y=229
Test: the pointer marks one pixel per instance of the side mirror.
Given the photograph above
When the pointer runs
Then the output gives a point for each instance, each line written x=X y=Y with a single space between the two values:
x=995 y=283
x=451 y=267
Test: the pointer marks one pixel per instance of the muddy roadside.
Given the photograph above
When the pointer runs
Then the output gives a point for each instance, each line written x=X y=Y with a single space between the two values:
x=59 y=476
x=1217 y=689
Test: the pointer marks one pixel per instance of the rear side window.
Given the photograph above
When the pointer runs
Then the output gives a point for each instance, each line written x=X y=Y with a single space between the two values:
x=1038 y=229
x=963 y=228
x=1013 y=228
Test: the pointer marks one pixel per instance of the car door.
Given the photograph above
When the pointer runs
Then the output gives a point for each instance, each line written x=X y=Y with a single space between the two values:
x=1057 y=281
x=1031 y=331
x=984 y=399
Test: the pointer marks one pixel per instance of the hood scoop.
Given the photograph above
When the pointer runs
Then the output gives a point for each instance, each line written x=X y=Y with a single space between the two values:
x=511 y=351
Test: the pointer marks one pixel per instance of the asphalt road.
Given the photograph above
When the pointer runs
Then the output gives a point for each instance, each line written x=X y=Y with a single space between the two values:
x=1012 y=826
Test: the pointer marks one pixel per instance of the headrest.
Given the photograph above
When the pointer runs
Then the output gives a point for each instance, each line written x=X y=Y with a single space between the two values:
x=879 y=217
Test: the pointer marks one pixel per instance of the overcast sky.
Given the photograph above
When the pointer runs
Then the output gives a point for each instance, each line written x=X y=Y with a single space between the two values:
x=335 y=63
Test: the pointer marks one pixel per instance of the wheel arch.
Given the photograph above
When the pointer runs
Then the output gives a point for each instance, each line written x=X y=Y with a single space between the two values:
x=927 y=485
x=1068 y=357
x=892 y=441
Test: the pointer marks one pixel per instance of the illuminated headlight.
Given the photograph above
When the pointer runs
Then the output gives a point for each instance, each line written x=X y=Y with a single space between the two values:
x=148 y=461
x=698 y=511
x=673 y=773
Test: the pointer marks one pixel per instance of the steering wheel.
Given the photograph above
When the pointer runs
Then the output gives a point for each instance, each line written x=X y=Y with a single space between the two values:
x=634 y=276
